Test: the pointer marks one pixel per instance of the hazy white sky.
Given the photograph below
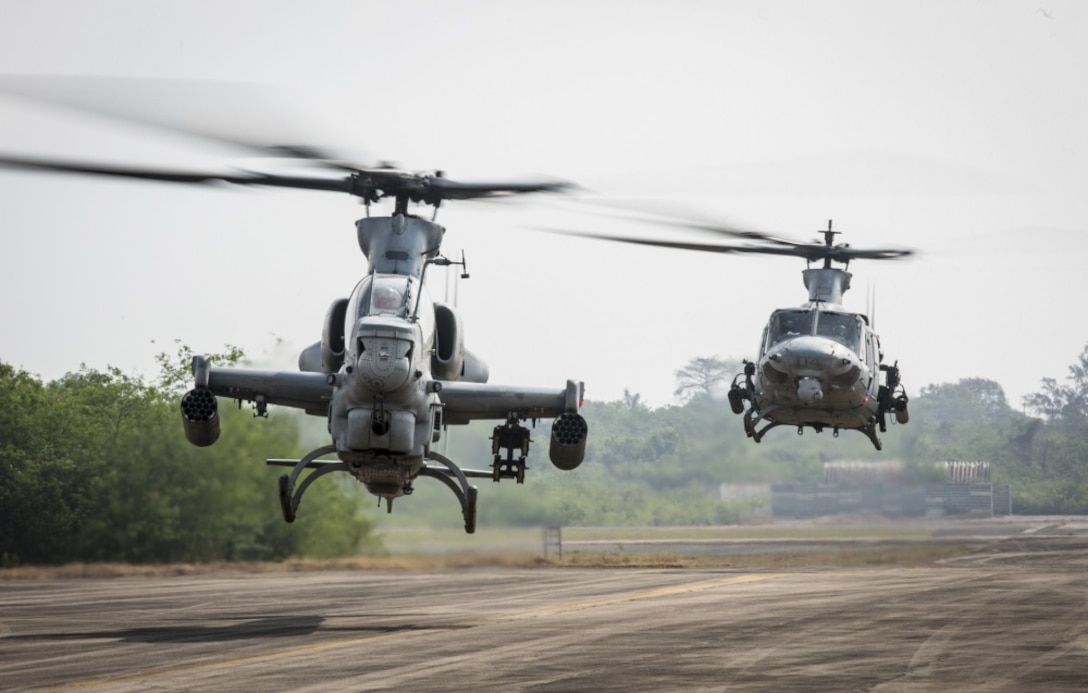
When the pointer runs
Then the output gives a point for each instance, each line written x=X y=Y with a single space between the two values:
x=956 y=128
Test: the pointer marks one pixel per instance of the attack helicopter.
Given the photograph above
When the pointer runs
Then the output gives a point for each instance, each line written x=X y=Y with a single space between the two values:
x=819 y=365
x=391 y=371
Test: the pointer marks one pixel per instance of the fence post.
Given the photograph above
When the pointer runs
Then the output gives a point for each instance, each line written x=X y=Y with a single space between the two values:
x=553 y=539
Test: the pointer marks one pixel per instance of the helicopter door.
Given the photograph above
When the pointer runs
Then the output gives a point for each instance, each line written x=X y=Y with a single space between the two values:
x=872 y=354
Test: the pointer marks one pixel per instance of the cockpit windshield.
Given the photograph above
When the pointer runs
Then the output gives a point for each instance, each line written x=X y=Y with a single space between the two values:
x=786 y=324
x=842 y=327
x=389 y=295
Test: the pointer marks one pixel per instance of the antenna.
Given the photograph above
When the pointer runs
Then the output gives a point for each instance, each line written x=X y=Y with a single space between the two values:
x=870 y=303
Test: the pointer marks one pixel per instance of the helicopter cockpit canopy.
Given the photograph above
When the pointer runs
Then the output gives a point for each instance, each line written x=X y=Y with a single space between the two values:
x=786 y=324
x=387 y=295
x=382 y=295
x=391 y=298
x=844 y=328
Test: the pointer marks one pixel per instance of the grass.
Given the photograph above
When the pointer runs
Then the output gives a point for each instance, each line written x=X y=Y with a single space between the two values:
x=417 y=539
x=739 y=532
x=903 y=556
x=418 y=548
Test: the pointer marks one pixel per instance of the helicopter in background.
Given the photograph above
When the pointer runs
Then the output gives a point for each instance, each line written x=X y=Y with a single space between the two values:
x=819 y=365
x=391 y=371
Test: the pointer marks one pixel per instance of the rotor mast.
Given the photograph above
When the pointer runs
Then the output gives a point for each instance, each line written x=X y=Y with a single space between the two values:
x=827 y=284
x=829 y=242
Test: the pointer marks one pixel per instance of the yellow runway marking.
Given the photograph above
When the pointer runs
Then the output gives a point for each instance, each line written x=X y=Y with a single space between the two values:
x=345 y=642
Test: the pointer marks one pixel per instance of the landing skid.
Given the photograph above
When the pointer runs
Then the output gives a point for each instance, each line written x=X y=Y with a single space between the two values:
x=449 y=473
x=457 y=480
x=289 y=495
x=870 y=431
x=751 y=419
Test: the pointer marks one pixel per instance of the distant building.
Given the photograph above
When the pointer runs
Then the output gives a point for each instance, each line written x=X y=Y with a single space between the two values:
x=889 y=472
x=883 y=488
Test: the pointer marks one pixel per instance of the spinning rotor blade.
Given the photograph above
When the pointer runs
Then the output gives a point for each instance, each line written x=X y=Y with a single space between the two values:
x=208 y=110
x=238 y=114
x=656 y=214
x=368 y=184
x=762 y=243
x=454 y=190
x=811 y=252
x=679 y=245
x=56 y=166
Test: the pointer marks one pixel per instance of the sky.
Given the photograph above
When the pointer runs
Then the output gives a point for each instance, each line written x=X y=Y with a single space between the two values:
x=954 y=128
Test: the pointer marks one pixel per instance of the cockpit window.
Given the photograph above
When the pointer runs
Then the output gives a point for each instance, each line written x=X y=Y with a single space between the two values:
x=841 y=327
x=389 y=295
x=786 y=324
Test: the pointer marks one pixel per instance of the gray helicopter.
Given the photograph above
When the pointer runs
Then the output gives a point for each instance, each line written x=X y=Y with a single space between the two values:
x=819 y=365
x=391 y=371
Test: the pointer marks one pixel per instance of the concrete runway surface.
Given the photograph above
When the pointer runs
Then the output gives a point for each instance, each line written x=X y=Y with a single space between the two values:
x=1012 y=616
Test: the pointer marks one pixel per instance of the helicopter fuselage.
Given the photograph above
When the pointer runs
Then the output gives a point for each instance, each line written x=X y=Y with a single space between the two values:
x=386 y=352
x=819 y=366
x=813 y=379
x=391 y=373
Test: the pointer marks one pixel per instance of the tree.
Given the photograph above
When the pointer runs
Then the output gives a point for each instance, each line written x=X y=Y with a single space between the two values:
x=632 y=401
x=1065 y=404
x=703 y=377
x=95 y=467
x=175 y=372
x=974 y=400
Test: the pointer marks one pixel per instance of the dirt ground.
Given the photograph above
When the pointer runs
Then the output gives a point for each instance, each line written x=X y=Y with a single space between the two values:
x=1009 y=613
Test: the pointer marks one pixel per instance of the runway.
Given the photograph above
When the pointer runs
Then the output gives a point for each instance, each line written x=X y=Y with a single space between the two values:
x=1012 y=616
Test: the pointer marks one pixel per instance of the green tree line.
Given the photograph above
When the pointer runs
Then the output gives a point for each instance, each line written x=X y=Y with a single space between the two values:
x=95 y=467
x=663 y=465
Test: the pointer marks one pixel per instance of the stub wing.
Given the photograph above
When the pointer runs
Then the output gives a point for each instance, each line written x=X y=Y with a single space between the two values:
x=465 y=402
x=308 y=391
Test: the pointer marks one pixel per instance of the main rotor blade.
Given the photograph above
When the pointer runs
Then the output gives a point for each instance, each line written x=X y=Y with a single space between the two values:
x=346 y=184
x=456 y=190
x=678 y=245
x=369 y=184
x=248 y=116
x=762 y=243
x=869 y=253
x=656 y=214
x=811 y=252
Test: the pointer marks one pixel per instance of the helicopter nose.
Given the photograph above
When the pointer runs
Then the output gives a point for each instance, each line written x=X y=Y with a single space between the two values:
x=818 y=367
x=809 y=390
x=384 y=354
x=844 y=373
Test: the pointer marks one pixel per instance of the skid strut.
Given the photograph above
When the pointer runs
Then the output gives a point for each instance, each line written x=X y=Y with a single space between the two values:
x=289 y=494
x=453 y=477
x=448 y=473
